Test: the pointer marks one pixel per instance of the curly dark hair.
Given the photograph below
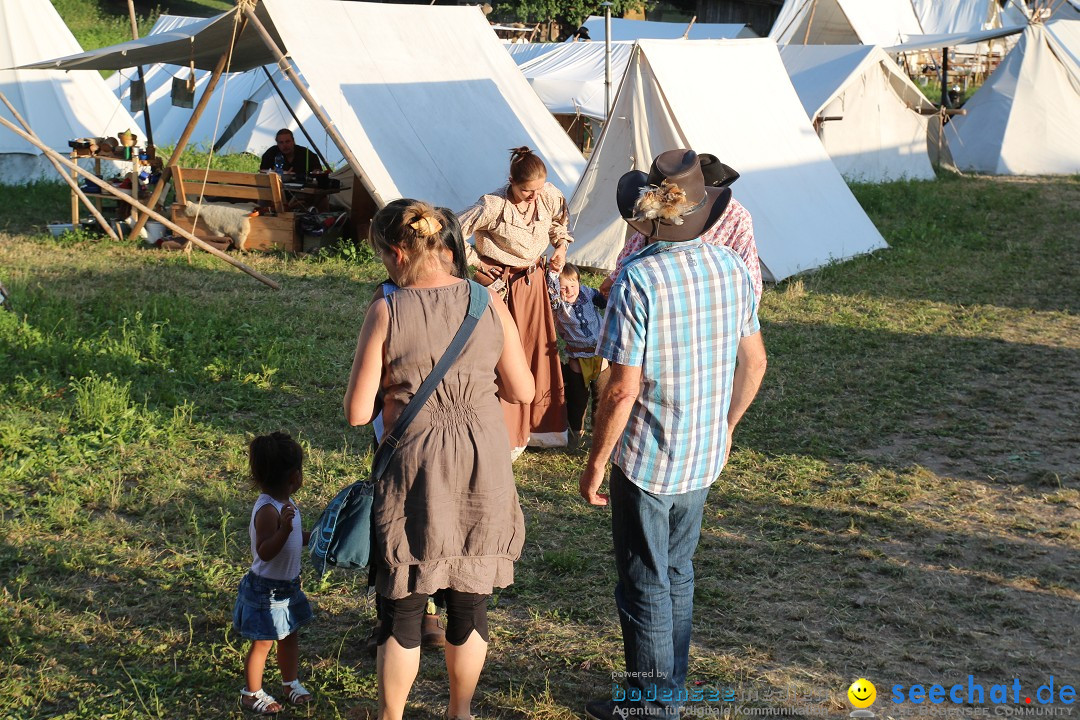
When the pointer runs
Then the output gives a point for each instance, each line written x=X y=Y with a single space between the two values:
x=273 y=458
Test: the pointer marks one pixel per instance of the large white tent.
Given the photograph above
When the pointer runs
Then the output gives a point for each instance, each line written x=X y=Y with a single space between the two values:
x=524 y=52
x=845 y=22
x=244 y=111
x=254 y=126
x=804 y=214
x=60 y=106
x=570 y=79
x=157 y=79
x=626 y=30
x=874 y=131
x=956 y=16
x=1024 y=120
x=422 y=119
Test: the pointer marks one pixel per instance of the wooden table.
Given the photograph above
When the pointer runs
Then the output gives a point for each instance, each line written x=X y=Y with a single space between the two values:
x=97 y=195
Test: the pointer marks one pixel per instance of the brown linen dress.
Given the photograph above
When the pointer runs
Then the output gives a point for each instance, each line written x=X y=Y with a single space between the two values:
x=446 y=511
x=504 y=237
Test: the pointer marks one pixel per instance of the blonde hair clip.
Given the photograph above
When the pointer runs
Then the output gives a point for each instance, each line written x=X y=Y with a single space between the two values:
x=427 y=225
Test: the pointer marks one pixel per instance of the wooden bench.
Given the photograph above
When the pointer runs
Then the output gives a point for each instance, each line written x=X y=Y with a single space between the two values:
x=268 y=232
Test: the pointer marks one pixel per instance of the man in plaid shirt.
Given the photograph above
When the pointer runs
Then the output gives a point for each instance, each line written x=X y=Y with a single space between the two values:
x=682 y=334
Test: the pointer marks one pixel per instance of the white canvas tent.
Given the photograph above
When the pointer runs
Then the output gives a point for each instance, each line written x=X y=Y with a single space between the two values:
x=524 y=52
x=1024 y=120
x=429 y=119
x=254 y=127
x=956 y=16
x=570 y=79
x=804 y=213
x=60 y=106
x=158 y=79
x=244 y=112
x=876 y=132
x=625 y=30
x=845 y=22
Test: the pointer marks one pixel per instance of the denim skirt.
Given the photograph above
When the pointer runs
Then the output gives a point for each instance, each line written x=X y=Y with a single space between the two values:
x=269 y=609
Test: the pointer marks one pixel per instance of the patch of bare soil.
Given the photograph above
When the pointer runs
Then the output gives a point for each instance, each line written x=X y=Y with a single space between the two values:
x=1020 y=425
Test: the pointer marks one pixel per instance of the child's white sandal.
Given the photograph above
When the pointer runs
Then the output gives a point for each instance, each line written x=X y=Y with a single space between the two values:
x=262 y=702
x=296 y=693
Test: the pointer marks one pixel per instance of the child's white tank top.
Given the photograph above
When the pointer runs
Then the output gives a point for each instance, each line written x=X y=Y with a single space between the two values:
x=286 y=564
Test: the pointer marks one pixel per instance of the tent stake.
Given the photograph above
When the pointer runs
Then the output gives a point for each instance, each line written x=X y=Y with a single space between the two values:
x=287 y=68
x=159 y=189
x=143 y=209
x=67 y=178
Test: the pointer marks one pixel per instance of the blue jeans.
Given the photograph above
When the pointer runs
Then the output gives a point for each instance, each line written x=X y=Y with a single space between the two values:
x=655 y=537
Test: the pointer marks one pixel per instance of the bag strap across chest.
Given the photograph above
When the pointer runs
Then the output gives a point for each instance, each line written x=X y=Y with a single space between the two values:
x=478 y=302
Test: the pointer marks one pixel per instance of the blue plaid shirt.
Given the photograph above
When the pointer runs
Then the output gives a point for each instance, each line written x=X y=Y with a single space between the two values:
x=678 y=311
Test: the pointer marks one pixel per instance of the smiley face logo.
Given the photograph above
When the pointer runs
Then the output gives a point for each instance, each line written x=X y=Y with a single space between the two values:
x=862 y=693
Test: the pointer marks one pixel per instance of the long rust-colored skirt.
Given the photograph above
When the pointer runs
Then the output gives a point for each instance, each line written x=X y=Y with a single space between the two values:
x=543 y=423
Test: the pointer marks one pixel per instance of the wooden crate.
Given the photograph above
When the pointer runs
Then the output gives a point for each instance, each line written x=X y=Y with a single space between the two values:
x=277 y=232
x=267 y=233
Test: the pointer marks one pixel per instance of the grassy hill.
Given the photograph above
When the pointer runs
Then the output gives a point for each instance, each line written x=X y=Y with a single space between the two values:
x=97 y=23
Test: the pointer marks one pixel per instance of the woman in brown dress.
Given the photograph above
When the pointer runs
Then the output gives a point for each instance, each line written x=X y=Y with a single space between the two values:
x=446 y=513
x=513 y=227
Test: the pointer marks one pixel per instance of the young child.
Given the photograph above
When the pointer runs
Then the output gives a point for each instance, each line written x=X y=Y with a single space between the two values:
x=577 y=319
x=271 y=606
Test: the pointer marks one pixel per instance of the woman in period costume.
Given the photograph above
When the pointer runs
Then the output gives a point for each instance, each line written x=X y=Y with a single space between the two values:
x=513 y=228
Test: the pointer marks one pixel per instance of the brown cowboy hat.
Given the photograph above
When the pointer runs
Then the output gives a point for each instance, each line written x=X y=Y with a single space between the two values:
x=672 y=202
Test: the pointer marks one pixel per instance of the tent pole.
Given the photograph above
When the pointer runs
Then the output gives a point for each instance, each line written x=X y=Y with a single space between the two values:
x=809 y=23
x=144 y=211
x=607 y=59
x=67 y=178
x=945 y=77
x=686 y=35
x=159 y=189
x=286 y=67
x=783 y=30
x=292 y=112
x=142 y=77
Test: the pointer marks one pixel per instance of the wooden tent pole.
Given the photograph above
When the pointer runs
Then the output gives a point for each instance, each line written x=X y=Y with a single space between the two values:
x=287 y=68
x=67 y=178
x=292 y=112
x=809 y=23
x=142 y=77
x=196 y=114
x=146 y=211
x=686 y=35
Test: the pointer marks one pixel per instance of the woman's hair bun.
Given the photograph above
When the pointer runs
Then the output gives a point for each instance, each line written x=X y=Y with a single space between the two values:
x=525 y=165
x=422 y=219
x=426 y=225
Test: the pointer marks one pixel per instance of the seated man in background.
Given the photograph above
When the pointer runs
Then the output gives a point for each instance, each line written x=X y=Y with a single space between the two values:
x=288 y=157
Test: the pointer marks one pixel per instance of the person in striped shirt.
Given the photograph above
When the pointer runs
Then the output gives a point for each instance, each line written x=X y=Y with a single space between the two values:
x=681 y=332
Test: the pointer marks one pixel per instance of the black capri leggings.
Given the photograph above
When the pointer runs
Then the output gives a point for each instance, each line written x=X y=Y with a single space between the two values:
x=465 y=612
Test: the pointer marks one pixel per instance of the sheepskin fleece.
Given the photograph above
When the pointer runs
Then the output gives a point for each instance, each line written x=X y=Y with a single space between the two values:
x=224 y=219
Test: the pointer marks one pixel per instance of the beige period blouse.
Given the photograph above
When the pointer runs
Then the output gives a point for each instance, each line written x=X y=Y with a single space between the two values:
x=504 y=235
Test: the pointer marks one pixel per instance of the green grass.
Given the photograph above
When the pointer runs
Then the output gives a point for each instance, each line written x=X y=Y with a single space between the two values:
x=98 y=23
x=903 y=501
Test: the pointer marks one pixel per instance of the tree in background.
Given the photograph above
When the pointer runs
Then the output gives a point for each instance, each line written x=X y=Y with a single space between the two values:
x=561 y=17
